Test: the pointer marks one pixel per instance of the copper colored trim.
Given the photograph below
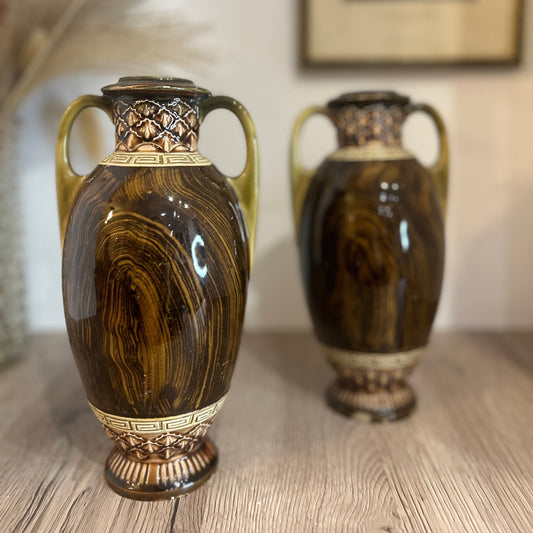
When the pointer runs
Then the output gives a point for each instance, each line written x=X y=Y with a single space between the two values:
x=176 y=159
x=372 y=361
x=366 y=153
x=158 y=425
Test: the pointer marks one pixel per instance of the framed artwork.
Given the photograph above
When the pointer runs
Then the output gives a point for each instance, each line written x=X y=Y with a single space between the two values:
x=411 y=32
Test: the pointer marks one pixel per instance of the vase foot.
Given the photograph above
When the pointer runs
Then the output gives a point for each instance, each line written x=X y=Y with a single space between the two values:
x=161 y=480
x=374 y=406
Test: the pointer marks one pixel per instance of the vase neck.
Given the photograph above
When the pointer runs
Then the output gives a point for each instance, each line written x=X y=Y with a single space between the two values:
x=151 y=124
x=155 y=114
x=371 y=118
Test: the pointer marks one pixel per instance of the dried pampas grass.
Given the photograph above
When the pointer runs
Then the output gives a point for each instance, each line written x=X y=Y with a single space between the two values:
x=40 y=39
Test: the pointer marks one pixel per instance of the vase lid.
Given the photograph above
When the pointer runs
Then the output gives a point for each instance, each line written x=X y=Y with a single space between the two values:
x=363 y=98
x=155 y=85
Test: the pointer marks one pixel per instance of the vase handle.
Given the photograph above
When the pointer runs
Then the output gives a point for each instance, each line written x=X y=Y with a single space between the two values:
x=246 y=184
x=439 y=171
x=67 y=181
x=301 y=176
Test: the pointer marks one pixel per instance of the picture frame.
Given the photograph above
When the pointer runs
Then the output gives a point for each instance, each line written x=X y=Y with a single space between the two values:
x=378 y=33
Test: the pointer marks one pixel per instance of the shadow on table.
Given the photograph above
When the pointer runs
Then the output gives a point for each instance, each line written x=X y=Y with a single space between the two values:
x=294 y=358
x=67 y=403
x=277 y=297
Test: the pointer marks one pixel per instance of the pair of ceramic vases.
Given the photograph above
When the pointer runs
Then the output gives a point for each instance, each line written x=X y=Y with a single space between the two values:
x=157 y=251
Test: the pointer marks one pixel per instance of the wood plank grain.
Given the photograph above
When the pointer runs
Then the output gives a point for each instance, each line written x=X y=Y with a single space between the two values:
x=462 y=462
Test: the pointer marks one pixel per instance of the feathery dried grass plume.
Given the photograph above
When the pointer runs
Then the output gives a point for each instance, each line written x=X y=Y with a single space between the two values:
x=40 y=39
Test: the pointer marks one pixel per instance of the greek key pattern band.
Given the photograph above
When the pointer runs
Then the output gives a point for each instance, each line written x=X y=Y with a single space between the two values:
x=364 y=153
x=372 y=361
x=152 y=159
x=158 y=425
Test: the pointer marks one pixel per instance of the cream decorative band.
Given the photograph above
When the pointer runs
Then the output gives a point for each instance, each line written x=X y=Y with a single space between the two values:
x=158 y=425
x=370 y=153
x=372 y=361
x=153 y=159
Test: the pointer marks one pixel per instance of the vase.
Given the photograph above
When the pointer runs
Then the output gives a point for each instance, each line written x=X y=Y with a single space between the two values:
x=370 y=231
x=157 y=252
x=12 y=284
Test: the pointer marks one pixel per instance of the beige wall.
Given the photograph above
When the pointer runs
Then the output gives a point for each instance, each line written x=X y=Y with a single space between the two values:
x=488 y=112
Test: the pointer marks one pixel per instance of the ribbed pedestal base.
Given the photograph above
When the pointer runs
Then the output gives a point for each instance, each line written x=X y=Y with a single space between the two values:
x=376 y=406
x=161 y=480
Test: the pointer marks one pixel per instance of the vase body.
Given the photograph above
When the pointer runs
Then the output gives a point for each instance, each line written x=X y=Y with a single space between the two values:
x=156 y=261
x=371 y=243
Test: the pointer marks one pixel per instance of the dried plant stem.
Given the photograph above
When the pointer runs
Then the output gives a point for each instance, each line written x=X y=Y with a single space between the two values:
x=23 y=84
x=57 y=37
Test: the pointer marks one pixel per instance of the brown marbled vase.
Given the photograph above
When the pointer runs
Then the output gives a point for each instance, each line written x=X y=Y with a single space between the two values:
x=371 y=238
x=157 y=254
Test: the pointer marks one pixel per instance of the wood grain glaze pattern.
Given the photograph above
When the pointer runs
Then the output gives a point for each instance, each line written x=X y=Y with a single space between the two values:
x=155 y=275
x=372 y=253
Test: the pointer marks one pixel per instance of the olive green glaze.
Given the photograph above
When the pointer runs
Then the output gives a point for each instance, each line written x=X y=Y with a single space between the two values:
x=155 y=270
x=372 y=251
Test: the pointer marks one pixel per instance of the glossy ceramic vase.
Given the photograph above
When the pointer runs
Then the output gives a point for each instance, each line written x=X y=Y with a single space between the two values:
x=370 y=230
x=157 y=251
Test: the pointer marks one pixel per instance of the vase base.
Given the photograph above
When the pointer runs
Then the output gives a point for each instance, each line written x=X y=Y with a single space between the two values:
x=381 y=405
x=164 y=480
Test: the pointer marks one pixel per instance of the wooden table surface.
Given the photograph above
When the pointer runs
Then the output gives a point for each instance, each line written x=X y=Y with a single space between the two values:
x=462 y=462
